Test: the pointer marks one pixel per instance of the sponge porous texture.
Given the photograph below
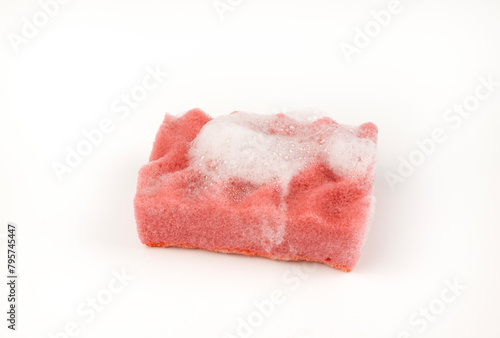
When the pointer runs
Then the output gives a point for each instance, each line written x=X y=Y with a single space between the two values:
x=268 y=185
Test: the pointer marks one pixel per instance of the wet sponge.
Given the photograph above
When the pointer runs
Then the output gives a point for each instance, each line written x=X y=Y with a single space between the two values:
x=267 y=185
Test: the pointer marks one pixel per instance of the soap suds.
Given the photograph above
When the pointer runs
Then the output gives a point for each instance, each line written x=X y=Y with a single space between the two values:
x=247 y=146
x=272 y=235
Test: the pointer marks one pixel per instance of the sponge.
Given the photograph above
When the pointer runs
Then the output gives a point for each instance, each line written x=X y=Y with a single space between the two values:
x=276 y=186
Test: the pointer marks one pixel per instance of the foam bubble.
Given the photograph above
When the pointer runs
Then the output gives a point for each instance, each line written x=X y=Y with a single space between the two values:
x=259 y=148
x=349 y=155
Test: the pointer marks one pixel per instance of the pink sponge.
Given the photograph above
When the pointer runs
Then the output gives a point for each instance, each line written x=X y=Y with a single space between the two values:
x=267 y=185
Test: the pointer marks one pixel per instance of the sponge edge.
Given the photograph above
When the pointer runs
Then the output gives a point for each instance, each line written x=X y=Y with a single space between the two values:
x=264 y=185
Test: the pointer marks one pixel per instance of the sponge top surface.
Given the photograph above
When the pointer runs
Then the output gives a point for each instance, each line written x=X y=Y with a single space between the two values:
x=264 y=148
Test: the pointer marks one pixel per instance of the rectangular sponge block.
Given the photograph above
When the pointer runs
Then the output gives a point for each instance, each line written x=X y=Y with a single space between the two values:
x=276 y=186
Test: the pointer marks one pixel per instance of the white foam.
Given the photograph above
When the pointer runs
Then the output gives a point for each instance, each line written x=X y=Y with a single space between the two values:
x=240 y=146
x=348 y=154
x=272 y=235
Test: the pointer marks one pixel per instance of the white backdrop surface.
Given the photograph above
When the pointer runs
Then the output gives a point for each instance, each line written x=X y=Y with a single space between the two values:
x=426 y=72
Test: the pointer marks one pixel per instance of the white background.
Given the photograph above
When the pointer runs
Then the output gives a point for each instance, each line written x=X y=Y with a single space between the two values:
x=440 y=224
